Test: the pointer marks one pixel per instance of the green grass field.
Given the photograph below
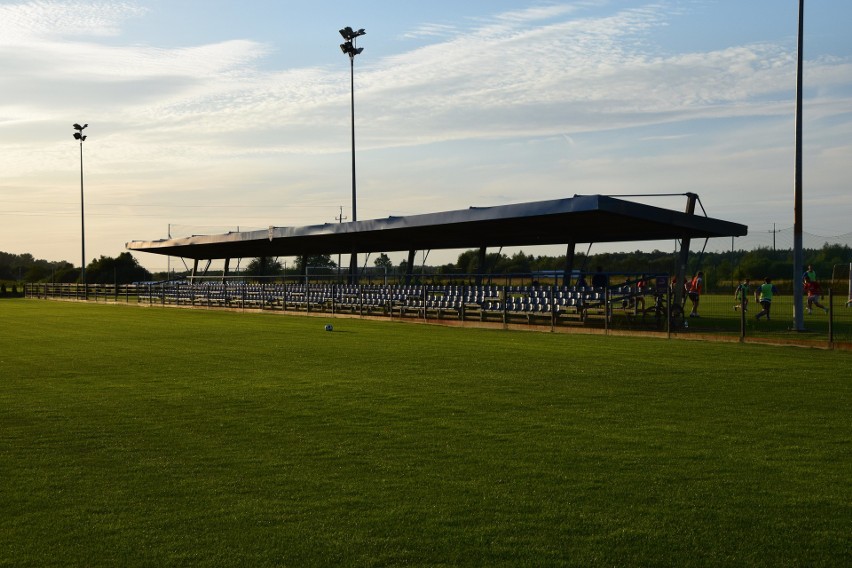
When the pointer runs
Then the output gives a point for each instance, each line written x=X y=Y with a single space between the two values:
x=718 y=316
x=147 y=437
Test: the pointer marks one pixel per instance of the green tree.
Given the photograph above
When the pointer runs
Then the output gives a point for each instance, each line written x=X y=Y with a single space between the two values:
x=66 y=273
x=755 y=264
x=38 y=272
x=123 y=269
x=264 y=266
x=468 y=261
x=519 y=263
x=314 y=260
x=383 y=261
x=550 y=263
x=25 y=267
x=495 y=263
x=825 y=259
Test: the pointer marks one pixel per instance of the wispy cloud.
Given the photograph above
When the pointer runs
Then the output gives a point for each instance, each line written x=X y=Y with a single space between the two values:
x=31 y=21
x=523 y=72
x=491 y=96
x=538 y=70
x=431 y=31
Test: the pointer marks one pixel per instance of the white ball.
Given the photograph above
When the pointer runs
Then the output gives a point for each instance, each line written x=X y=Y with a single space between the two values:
x=328 y=327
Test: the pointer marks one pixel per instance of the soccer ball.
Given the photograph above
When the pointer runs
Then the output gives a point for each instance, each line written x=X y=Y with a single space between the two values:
x=328 y=327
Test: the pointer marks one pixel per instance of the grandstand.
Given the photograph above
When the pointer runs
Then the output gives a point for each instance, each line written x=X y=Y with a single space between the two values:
x=638 y=300
x=568 y=222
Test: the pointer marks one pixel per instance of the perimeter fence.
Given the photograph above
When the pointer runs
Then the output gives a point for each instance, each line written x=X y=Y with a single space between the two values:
x=628 y=304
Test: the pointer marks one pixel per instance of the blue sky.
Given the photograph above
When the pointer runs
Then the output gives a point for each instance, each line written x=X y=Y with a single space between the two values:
x=208 y=116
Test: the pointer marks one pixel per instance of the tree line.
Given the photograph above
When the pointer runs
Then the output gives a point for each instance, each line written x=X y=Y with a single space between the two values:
x=123 y=269
x=721 y=269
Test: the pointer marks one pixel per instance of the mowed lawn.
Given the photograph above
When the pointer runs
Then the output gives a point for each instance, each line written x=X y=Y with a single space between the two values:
x=150 y=437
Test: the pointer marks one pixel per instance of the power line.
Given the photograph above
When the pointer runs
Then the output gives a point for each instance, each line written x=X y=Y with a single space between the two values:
x=178 y=206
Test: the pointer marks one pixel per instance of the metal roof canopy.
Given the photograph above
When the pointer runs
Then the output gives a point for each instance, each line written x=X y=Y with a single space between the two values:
x=578 y=219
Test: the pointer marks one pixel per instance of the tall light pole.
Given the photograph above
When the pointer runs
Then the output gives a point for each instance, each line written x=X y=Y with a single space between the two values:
x=349 y=48
x=798 y=317
x=78 y=135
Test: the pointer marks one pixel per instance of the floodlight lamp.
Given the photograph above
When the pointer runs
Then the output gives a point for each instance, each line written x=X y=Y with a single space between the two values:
x=78 y=136
x=78 y=127
x=346 y=47
x=349 y=34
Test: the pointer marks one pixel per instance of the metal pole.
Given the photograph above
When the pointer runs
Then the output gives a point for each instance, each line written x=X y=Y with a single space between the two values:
x=352 y=105
x=668 y=309
x=82 y=229
x=682 y=275
x=349 y=48
x=798 y=316
x=340 y=219
x=353 y=260
x=830 y=317
x=569 y=263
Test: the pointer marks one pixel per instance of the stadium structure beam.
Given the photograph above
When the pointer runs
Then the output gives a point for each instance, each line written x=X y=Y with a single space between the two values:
x=579 y=219
x=409 y=268
x=569 y=263
x=481 y=264
x=691 y=198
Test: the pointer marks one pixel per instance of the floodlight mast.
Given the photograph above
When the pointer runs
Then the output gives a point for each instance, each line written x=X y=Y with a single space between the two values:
x=349 y=48
x=79 y=136
x=798 y=260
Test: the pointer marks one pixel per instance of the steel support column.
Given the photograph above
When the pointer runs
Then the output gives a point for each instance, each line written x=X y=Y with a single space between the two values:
x=691 y=198
x=569 y=263
x=409 y=267
x=480 y=267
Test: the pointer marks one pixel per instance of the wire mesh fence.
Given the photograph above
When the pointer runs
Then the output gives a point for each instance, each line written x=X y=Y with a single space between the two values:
x=627 y=304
